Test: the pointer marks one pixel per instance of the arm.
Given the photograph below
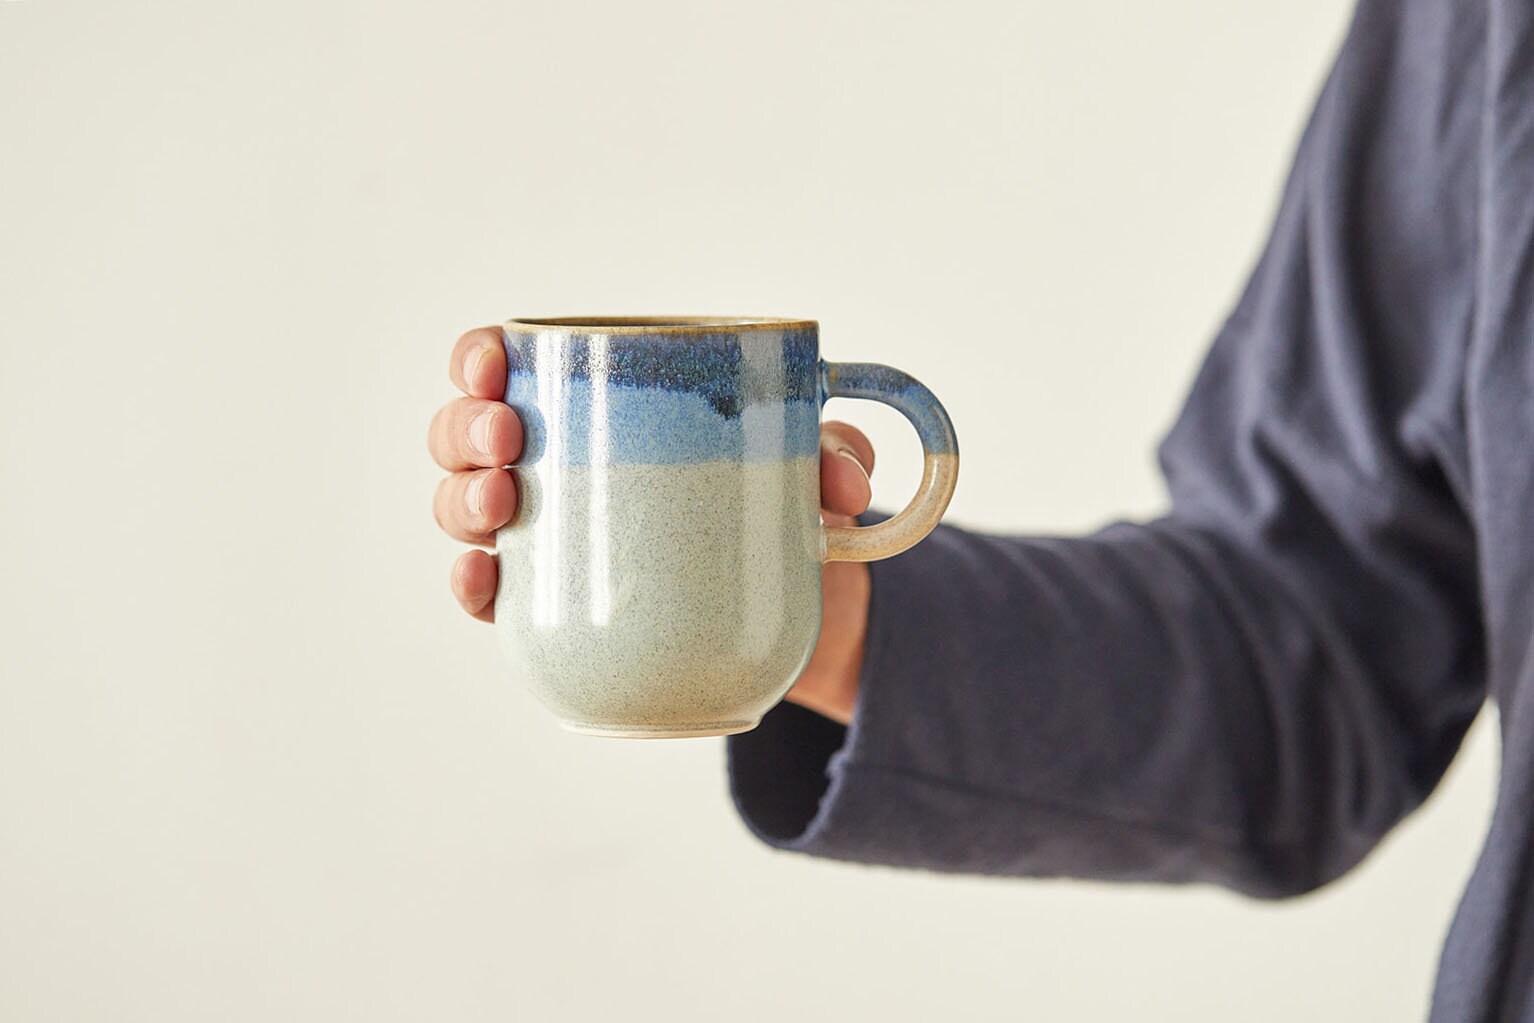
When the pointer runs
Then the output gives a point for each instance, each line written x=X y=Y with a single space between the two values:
x=1254 y=689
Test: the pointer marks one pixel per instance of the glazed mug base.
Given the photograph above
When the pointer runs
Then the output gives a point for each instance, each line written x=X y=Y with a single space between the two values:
x=661 y=731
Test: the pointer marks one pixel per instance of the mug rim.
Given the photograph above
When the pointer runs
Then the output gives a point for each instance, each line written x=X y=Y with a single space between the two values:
x=656 y=324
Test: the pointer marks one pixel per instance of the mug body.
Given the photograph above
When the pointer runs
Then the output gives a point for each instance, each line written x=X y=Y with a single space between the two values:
x=661 y=577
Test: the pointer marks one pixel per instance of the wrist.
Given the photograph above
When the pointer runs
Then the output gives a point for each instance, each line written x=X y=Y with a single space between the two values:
x=829 y=684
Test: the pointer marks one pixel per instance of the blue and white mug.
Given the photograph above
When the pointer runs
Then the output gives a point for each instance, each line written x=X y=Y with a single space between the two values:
x=661 y=578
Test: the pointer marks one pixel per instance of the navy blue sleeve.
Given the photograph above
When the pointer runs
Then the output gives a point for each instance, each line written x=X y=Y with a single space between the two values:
x=1255 y=688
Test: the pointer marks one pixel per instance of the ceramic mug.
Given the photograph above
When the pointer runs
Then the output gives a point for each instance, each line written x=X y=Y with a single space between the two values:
x=661 y=577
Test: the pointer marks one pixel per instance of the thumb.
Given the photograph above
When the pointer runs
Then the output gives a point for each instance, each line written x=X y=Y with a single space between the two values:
x=845 y=460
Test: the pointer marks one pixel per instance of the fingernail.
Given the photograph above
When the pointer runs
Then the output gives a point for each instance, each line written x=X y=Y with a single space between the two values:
x=480 y=432
x=470 y=364
x=474 y=497
x=852 y=457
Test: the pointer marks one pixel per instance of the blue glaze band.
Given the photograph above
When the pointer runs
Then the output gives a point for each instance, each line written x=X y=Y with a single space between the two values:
x=665 y=399
x=900 y=391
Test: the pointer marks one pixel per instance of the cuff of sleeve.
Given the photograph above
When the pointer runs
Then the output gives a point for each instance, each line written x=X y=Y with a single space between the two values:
x=804 y=783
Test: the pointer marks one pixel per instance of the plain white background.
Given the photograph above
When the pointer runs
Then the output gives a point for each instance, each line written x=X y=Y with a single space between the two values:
x=255 y=765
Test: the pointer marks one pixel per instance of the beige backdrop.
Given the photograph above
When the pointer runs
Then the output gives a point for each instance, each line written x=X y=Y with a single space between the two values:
x=255 y=765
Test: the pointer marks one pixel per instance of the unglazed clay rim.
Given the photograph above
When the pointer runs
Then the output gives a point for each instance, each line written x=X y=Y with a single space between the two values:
x=655 y=324
x=660 y=731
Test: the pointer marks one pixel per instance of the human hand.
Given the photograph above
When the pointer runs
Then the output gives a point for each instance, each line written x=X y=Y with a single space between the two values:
x=475 y=436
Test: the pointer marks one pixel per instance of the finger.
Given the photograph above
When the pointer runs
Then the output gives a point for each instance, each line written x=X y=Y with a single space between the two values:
x=475 y=575
x=844 y=486
x=832 y=518
x=849 y=436
x=478 y=364
x=471 y=506
x=472 y=433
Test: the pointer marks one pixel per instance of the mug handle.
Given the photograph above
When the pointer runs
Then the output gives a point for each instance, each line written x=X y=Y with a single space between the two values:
x=940 y=468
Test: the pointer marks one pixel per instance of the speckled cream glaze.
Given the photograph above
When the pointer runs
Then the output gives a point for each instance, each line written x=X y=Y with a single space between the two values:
x=662 y=575
x=662 y=600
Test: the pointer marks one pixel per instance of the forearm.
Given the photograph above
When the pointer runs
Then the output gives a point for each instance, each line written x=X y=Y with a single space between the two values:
x=1147 y=703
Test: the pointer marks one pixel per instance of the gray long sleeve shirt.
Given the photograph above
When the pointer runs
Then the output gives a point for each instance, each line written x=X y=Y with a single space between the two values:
x=1254 y=689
